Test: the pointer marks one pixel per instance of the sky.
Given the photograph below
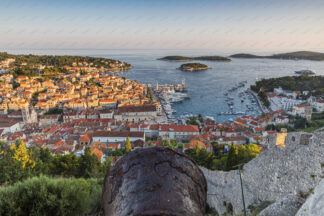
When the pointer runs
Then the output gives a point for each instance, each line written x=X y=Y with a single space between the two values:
x=225 y=26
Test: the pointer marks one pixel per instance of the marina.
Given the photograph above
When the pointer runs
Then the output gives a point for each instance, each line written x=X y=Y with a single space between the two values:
x=169 y=94
x=240 y=101
x=239 y=98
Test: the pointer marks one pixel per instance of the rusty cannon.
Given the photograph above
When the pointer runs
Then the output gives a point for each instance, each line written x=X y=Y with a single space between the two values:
x=154 y=181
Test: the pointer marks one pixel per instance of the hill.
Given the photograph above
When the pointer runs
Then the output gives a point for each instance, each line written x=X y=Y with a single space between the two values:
x=314 y=84
x=315 y=56
x=61 y=61
x=185 y=58
x=299 y=55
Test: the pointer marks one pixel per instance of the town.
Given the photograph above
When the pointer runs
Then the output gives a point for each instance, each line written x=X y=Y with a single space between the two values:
x=94 y=109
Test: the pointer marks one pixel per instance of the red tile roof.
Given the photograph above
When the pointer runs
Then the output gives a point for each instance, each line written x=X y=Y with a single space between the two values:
x=117 y=134
x=59 y=143
x=258 y=129
x=132 y=108
x=113 y=145
x=85 y=138
x=98 y=153
x=180 y=128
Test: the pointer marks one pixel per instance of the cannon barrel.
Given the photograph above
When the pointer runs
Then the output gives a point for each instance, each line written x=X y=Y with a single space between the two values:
x=154 y=181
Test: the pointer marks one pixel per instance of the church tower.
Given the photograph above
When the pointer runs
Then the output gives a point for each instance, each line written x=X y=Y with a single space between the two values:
x=29 y=117
x=25 y=114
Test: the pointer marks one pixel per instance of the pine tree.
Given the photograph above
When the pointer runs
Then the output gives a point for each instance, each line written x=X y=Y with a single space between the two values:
x=128 y=145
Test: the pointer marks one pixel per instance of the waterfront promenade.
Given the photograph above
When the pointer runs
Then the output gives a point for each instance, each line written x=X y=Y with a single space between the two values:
x=261 y=106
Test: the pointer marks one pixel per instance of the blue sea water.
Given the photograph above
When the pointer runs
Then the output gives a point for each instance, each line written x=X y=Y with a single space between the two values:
x=207 y=87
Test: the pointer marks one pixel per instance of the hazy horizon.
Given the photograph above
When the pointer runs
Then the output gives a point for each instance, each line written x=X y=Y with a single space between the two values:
x=164 y=52
x=225 y=26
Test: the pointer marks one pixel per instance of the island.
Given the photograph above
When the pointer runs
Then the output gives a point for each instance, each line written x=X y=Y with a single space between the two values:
x=185 y=58
x=193 y=67
x=299 y=55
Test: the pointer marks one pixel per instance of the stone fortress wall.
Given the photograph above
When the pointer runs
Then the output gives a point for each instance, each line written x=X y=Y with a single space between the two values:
x=277 y=174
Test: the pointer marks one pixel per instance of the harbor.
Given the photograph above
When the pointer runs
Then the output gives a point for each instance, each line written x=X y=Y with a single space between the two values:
x=169 y=94
x=239 y=100
x=206 y=89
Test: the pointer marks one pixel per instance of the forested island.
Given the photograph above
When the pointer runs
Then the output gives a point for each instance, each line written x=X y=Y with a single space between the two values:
x=193 y=67
x=314 y=84
x=31 y=65
x=300 y=55
x=185 y=58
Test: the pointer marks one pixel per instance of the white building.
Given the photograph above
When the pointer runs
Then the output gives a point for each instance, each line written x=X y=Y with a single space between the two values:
x=136 y=114
x=10 y=125
x=278 y=91
x=178 y=132
x=281 y=120
x=319 y=105
x=299 y=109
x=117 y=136
x=106 y=114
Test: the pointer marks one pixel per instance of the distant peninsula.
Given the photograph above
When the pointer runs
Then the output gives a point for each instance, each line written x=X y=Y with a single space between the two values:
x=185 y=58
x=193 y=67
x=30 y=65
x=300 y=55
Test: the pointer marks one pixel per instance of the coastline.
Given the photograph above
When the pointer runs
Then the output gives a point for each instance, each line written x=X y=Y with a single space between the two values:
x=261 y=106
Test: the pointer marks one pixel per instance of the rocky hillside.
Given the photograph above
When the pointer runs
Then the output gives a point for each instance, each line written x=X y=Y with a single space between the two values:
x=314 y=205
x=280 y=178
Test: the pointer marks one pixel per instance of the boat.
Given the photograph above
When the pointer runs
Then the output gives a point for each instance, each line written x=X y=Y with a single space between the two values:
x=308 y=72
x=209 y=117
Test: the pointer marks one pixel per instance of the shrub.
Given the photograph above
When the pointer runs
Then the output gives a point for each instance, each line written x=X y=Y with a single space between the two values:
x=229 y=208
x=47 y=196
x=255 y=210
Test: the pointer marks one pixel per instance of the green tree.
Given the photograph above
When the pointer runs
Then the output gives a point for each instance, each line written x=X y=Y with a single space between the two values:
x=105 y=166
x=11 y=170
x=200 y=118
x=165 y=142
x=89 y=164
x=128 y=145
x=173 y=144
x=231 y=158
x=43 y=158
x=64 y=165
x=221 y=129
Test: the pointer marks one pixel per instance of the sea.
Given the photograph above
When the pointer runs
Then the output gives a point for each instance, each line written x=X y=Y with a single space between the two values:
x=206 y=88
